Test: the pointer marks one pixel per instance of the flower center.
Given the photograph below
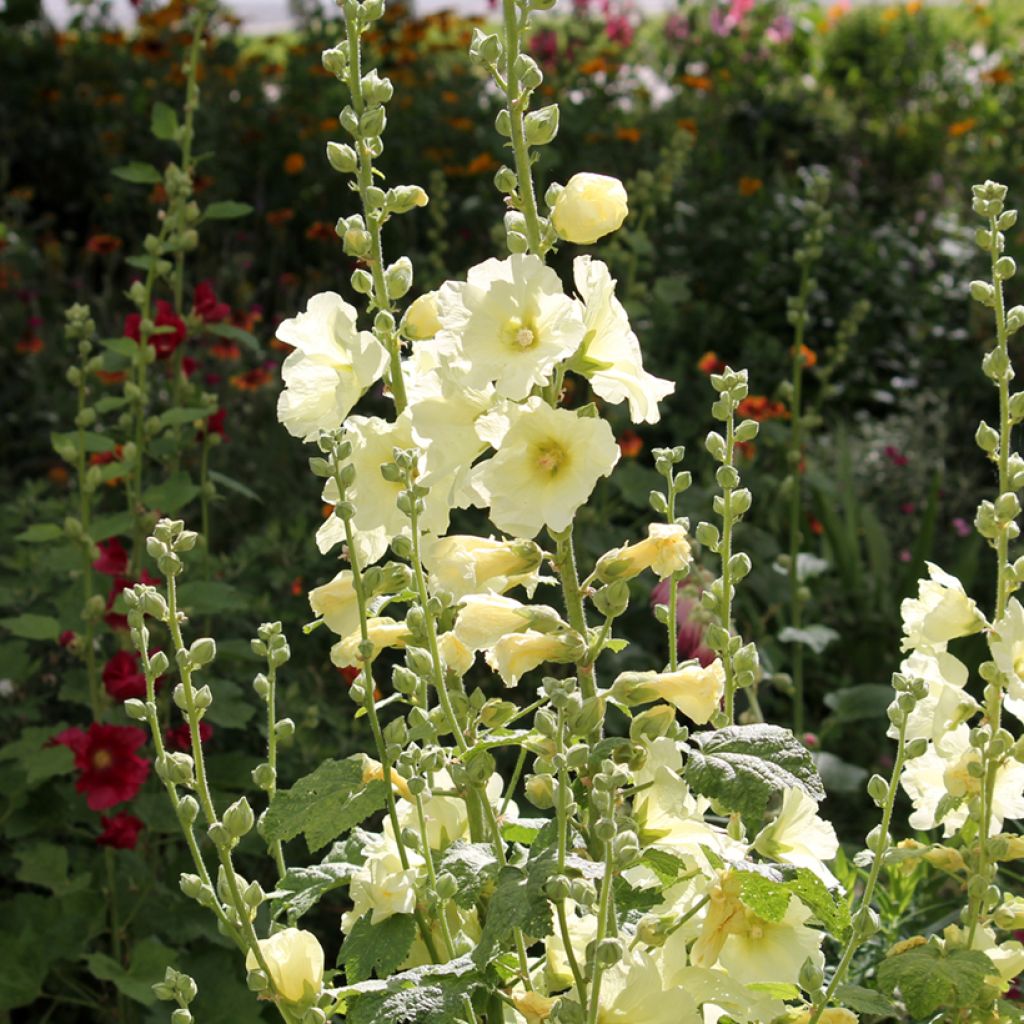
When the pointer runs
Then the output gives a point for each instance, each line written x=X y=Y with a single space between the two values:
x=102 y=759
x=518 y=335
x=551 y=457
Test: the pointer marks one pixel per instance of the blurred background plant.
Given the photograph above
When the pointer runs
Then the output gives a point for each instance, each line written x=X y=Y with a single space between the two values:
x=714 y=115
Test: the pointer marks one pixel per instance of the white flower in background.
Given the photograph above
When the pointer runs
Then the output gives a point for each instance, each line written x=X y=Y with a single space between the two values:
x=832 y=1015
x=941 y=612
x=799 y=837
x=589 y=207
x=508 y=324
x=1007 y=645
x=377 y=520
x=464 y=929
x=666 y=551
x=464 y=564
x=547 y=466
x=518 y=653
x=331 y=367
x=944 y=768
x=336 y=603
x=582 y=930
x=420 y=321
x=610 y=356
x=750 y=949
x=946 y=704
x=382 y=887
x=484 y=619
x=295 y=960
x=381 y=631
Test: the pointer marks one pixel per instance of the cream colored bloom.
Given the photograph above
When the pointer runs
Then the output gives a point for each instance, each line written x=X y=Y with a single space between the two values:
x=373 y=771
x=464 y=564
x=420 y=321
x=336 y=603
x=589 y=207
x=331 y=367
x=455 y=654
x=694 y=689
x=382 y=887
x=1007 y=645
x=484 y=619
x=610 y=355
x=833 y=1015
x=295 y=960
x=666 y=550
x=381 y=631
x=509 y=324
x=1007 y=957
x=799 y=836
x=946 y=704
x=945 y=768
x=518 y=653
x=634 y=992
x=546 y=468
x=941 y=612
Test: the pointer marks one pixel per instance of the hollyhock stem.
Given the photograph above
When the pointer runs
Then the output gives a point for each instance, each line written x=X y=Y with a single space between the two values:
x=276 y=849
x=727 y=584
x=565 y=562
x=116 y=943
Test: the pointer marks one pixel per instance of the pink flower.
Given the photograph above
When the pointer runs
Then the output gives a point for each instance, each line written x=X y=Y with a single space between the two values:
x=690 y=630
x=895 y=456
x=961 y=527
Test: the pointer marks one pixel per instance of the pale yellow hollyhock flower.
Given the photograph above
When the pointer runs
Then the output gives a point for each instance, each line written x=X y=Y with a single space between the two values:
x=508 y=325
x=382 y=887
x=941 y=612
x=533 y=1006
x=455 y=654
x=336 y=603
x=697 y=691
x=420 y=321
x=518 y=653
x=465 y=564
x=1007 y=957
x=484 y=619
x=1007 y=645
x=381 y=632
x=634 y=992
x=610 y=356
x=295 y=960
x=373 y=771
x=331 y=367
x=589 y=207
x=666 y=551
x=946 y=704
x=546 y=468
x=799 y=837
x=833 y=1015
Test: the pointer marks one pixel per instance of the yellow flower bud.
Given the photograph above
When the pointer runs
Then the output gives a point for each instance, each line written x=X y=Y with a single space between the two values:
x=295 y=960
x=589 y=207
x=666 y=550
x=420 y=321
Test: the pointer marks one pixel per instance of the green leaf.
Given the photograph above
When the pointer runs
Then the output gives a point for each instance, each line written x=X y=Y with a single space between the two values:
x=325 y=803
x=163 y=122
x=743 y=766
x=38 y=761
x=816 y=637
x=855 y=703
x=110 y=526
x=171 y=495
x=46 y=865
x=523 y=830
x=929 y=979
x=138 y=173
x=232 y=705
x=175 y=417
x=90 y=440
x=40 y=533
x=207 y=597
x=840 y=776
x=226 y=209
x=234 y=333
x=150 y=960
x=434 y=994
x=234 y=485
x=377 y=948
x=473 y=866
x=763 y=891
x=32 y=627
x=111 y=403
x=665 y=865
x=302 y=888
x=828 y=906
x=127 y=347
x=864 y=1000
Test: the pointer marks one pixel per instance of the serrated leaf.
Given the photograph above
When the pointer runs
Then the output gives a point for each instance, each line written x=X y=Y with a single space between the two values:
x=828 y=906
x=864 y=1000
x=928 y=978
x=763 y=892
x=743 y=766
x=32 y=627
x=523 y=830
x=163 y=122
x=226 y=209
x=35 y=757
x=40 y=533
x=324 y=804
x=816 y=637
x=377 y=948
x=138 y=173
x=435 y=994
x=234 y=485
x=150 y=960
x=665 y=865
x=473 y=866
x=302 y=888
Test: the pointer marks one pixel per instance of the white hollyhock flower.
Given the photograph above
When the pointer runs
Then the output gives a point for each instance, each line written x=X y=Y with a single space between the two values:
x=508 y=324
x=799 y=837
x=484 y=619
x=941 y=612
x=944 y=768
x=946 y=704
x=382 y=887
x=610 y=355
x=1007 y=645
x=295 y=960
x=547 y=466
x=466 y=564
x=589 y=207
x=331 y=367
x=634 y=992
x=336 y=603
x=377 y=520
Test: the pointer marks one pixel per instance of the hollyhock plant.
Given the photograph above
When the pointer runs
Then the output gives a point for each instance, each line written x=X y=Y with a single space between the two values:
x=179 y=737
x=123 y=677
x=121 y=832
x=113 y=560
x=109 y=770
x=171 y=329
x=206 y=305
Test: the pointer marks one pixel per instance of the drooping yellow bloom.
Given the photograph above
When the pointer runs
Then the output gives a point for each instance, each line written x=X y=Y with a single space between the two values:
x=336 y=603
x=694 y=689
x=295 y=960
x=381 y=632
x=518 y=653
x=484 y=619
x=941 y=612
x=464 y=564
x=666 y=551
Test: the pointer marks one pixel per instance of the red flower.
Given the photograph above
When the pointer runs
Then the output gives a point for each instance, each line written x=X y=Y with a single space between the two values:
x=166 y=341
x=179 y=737
x=121 y=831
x=67 y=638
x=206 y=306
x=109 y=770
x=214 y=425
x=123 y=678
x=113 y=560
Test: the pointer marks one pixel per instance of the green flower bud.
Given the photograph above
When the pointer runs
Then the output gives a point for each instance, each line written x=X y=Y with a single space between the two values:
x=342 y=157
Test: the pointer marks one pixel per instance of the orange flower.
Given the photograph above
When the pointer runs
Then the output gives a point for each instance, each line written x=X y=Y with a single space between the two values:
x=450 y=97
x=808 y=355
x=628 y=134
x=914 y=7
x=110 y=376
x=58 y=475
x=998 y=76
x=710 y=363
x=329 y=124
x=104 y=458
x=103 y=245
x=275 y=218
x=687 y=124
x=461 y=124
x=747 y=450
x=484 y=163
x=251 y=380
x=631 y=444
x=958 y=128
x=225 y=350
x=158 y=195
x=294 y=163
x=326 y=511
x=320 y=231
x=815 y=526
x=702 y=83
x=297 y=587
x=760 y=408
x=750 y=186
x=29 y=346
x=281 y=346
x=594 y=66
